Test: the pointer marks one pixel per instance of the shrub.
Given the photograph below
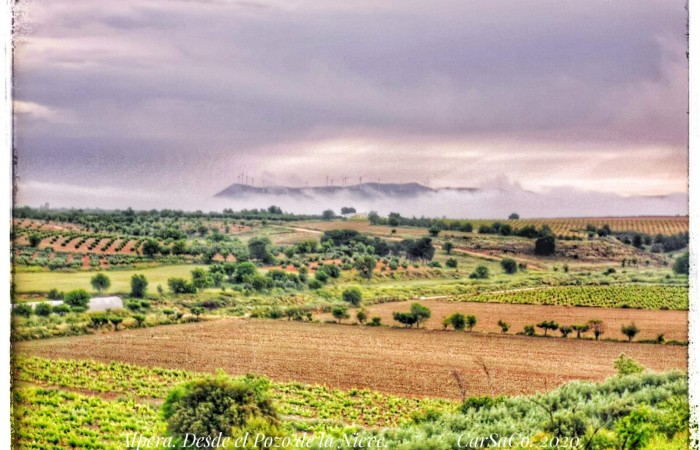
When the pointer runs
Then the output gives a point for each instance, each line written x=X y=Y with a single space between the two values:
x=375 y=322
x=138 y=285
x=457 y=321
x=480 y=273
x=682 y=264
x=504 y=326
x=353 y=296
x=22 y=309
x=451 y=263
x=361 y=316
x=61 y=309
x=529 y=330
x=43 y=309
x=545 y=246
x=509 y=265
x=214 y=405
x=54 y=294
x=78 y=299
x=181 y=286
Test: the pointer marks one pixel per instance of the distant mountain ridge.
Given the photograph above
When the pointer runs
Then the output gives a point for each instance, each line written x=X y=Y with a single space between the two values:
x=363 y=190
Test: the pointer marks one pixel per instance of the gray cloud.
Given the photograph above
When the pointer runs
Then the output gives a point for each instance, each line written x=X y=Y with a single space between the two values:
x=184 y=94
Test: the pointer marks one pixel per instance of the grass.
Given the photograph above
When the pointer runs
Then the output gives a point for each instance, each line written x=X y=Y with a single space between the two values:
x=27 y=282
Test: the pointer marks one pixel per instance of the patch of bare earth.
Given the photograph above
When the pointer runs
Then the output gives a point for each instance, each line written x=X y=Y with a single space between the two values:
x=405 y=362
x=673 y=324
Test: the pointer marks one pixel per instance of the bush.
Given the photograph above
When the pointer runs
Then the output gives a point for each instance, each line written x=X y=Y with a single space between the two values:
x=509 y=265
x=61 y=309
x=545 y=246
x=505 y=326
x=22 y=309
x=375 y=322
x=78 y=299
x=682 y=264
x=451 y=263
x=54 y=294
x=138 y=285
x=627 y=366
x=480 y=273
x=211 y=406
x=457 y=321
x=529 y=330
x=181 y=286
x=34 y=240
x=353 y=296
x=43 y=309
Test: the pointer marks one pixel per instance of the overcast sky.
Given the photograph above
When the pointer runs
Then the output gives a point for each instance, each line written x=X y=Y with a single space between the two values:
x=138 y=97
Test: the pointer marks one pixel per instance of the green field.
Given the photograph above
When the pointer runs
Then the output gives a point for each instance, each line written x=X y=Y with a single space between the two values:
x=65 y=281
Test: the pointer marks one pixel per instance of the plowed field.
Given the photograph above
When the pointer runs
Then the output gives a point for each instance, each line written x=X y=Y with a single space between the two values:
x=405 y=362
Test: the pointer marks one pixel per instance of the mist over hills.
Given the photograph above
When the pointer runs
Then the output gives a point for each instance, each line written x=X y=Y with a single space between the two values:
x=491 y=200
x=495 y=200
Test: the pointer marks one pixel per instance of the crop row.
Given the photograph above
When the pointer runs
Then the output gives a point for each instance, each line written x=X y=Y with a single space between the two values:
x=357 y=406
x=621 y=296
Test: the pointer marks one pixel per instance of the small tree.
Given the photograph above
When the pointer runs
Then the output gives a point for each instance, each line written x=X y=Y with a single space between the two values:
x=434 y=231
x=448 y=246
x=597 y=327
x=547 y=325
x=504 y=326
x=565 y=330
x=34 y=240
x=365 y=265
x=630 y=331
x=196 y=310
x=376 y=321
x=115 y=321
x=509 y=265
x=529 y=330
x=407 y=319
x=140 y=319
x=451 y=263
x=328 y=214
x=580 y=329
x=361 y=316
x=458 y=321
x=138 y=285
x=150 y=248
x=340 y=313
x=471 y=321
x=421 y=313
x=100 y=282
x=353 y=296
x=514 y=216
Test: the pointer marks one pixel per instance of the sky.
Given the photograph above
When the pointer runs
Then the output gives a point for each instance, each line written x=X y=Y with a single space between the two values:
x=139 y=100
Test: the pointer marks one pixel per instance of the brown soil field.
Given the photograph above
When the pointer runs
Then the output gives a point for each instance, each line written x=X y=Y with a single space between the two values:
x=674 y=324
x=397 y=361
